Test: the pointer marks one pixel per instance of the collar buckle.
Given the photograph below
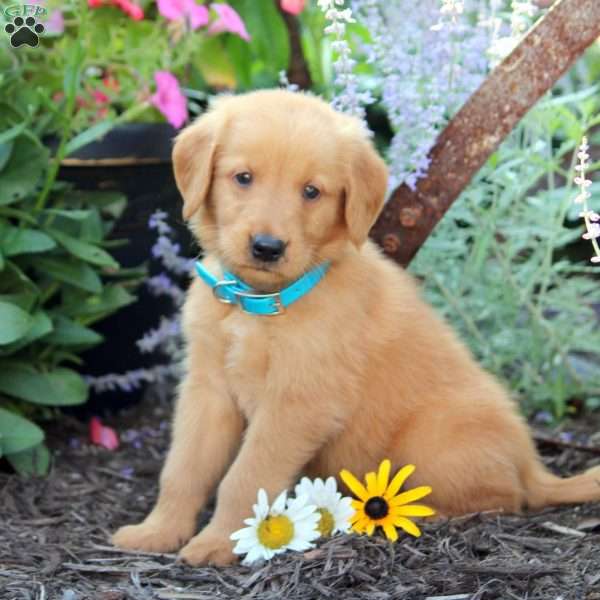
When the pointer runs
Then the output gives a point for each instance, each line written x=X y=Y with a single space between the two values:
x=237 y=296
x=279 y=307
x=218 y=286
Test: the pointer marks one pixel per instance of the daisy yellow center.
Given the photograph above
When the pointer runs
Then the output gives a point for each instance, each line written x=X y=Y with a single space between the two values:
x=326 y=522
x=275 y=532
x=376 y=507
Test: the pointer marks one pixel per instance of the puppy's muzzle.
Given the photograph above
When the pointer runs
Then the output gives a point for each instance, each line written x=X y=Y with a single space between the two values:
x=267 y=248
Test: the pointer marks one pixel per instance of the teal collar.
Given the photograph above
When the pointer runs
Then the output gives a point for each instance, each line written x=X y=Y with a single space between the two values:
x=232 y=290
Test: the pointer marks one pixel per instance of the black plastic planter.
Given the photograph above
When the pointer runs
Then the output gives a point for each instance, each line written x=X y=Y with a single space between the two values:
x=134 y=159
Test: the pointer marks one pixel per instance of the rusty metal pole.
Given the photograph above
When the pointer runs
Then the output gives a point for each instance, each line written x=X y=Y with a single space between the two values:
x=511 y=89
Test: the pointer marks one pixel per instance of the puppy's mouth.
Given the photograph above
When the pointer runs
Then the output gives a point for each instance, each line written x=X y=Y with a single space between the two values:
x=262 y=277
x=260 y=267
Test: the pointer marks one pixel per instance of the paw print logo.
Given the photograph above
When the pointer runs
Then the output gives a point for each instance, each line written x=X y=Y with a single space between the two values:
x=24 y=31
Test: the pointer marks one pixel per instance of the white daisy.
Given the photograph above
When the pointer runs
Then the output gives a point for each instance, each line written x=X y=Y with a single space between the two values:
x=335 y=510
x=286 y=525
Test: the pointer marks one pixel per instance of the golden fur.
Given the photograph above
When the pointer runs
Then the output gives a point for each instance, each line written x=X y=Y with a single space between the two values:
x=358 y=370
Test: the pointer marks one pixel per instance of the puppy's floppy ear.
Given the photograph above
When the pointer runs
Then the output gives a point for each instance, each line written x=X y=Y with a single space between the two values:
x=365 y=190
x=193 y=161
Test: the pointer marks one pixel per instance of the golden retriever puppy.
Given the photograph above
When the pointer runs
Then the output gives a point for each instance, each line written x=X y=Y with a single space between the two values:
x=356 y=370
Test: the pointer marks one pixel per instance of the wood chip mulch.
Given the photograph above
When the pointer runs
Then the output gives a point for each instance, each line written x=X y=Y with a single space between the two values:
x=54 y=536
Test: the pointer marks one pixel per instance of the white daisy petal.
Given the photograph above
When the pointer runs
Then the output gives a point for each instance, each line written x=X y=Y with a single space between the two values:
x=300 y=545
x=241 y=534
x=306 y=511
x=279 y=504
x=254 y=555
x=304 y=487
x=297 y=504
x=331 y=486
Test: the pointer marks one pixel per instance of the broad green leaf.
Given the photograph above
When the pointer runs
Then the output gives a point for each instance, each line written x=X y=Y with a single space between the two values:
x=269 y=37
x=5 y=152
x=24 y=300
x=33 y=461
x=14 y=322
x=112 y=298
x=88 y=252
x=23 y=170
x=15 y=241
x=41 y=325
x=61 y=387
x=70 y=271
x=11 y=133
x=70 y=333
x=17 y=433
x=93 y=229
x=74 y=214
x=89 y=135
x=111 y=203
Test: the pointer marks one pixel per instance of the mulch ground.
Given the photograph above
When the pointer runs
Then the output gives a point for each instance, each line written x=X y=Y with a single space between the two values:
x=54 y=536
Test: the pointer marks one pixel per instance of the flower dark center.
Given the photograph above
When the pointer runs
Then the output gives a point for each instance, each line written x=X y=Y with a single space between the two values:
x=376 y=508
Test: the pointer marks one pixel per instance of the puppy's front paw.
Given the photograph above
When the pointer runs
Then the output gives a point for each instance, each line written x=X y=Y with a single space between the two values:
x=211 y=546
x=151 y=537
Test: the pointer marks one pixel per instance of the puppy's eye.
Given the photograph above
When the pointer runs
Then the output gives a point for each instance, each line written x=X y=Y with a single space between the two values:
x=310 y=192
x=244 y=179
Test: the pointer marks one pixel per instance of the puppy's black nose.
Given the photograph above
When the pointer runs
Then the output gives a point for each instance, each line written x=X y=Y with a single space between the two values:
x=267 y=248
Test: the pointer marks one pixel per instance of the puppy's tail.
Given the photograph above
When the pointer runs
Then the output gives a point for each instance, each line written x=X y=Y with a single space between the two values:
x=542 y=488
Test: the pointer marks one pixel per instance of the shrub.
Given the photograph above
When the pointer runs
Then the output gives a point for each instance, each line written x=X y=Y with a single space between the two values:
x=56 y=276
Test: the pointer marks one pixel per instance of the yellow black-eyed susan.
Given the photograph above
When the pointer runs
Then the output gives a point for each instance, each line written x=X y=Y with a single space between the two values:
x=380 y=504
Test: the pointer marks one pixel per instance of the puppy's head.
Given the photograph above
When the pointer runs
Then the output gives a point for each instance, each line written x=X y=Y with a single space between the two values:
x=275 y=183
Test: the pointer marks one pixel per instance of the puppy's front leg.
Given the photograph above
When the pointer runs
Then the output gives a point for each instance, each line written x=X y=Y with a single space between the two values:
x=206 y=434
x=282 y=437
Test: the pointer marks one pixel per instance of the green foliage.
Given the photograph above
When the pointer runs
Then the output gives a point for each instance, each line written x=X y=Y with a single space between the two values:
x=56 y=278
x=500 y=266
x=110 y=60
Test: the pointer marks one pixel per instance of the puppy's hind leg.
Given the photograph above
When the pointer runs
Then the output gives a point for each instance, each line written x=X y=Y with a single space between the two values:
x=206 y=434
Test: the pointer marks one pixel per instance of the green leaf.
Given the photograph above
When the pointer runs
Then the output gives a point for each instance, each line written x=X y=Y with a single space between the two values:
x=12 y=132
x=70 y=333
x=23 y=170
x=5 y=152
x=72 y=75
x=111 y=203
x=41 y=325
x=14 y=322
x=24 y=300
x=76 y=273
x=83 y=250
x=61 y=387
x=23 y=241
x=112 y=298
x=74 y=214
x=269 y=39
x=17 y=433
x=32 y=462
x=89 y=135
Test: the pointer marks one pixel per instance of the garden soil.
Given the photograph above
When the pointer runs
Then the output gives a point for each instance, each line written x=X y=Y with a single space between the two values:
x=54 y=536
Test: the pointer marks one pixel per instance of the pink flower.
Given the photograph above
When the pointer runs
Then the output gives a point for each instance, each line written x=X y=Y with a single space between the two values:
x=228 y=20
x=55 y=23
x=102 y=435
x=294 y=7
x=129 y=8
x=179 y=10
x=169 y=99
x=100 y=97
